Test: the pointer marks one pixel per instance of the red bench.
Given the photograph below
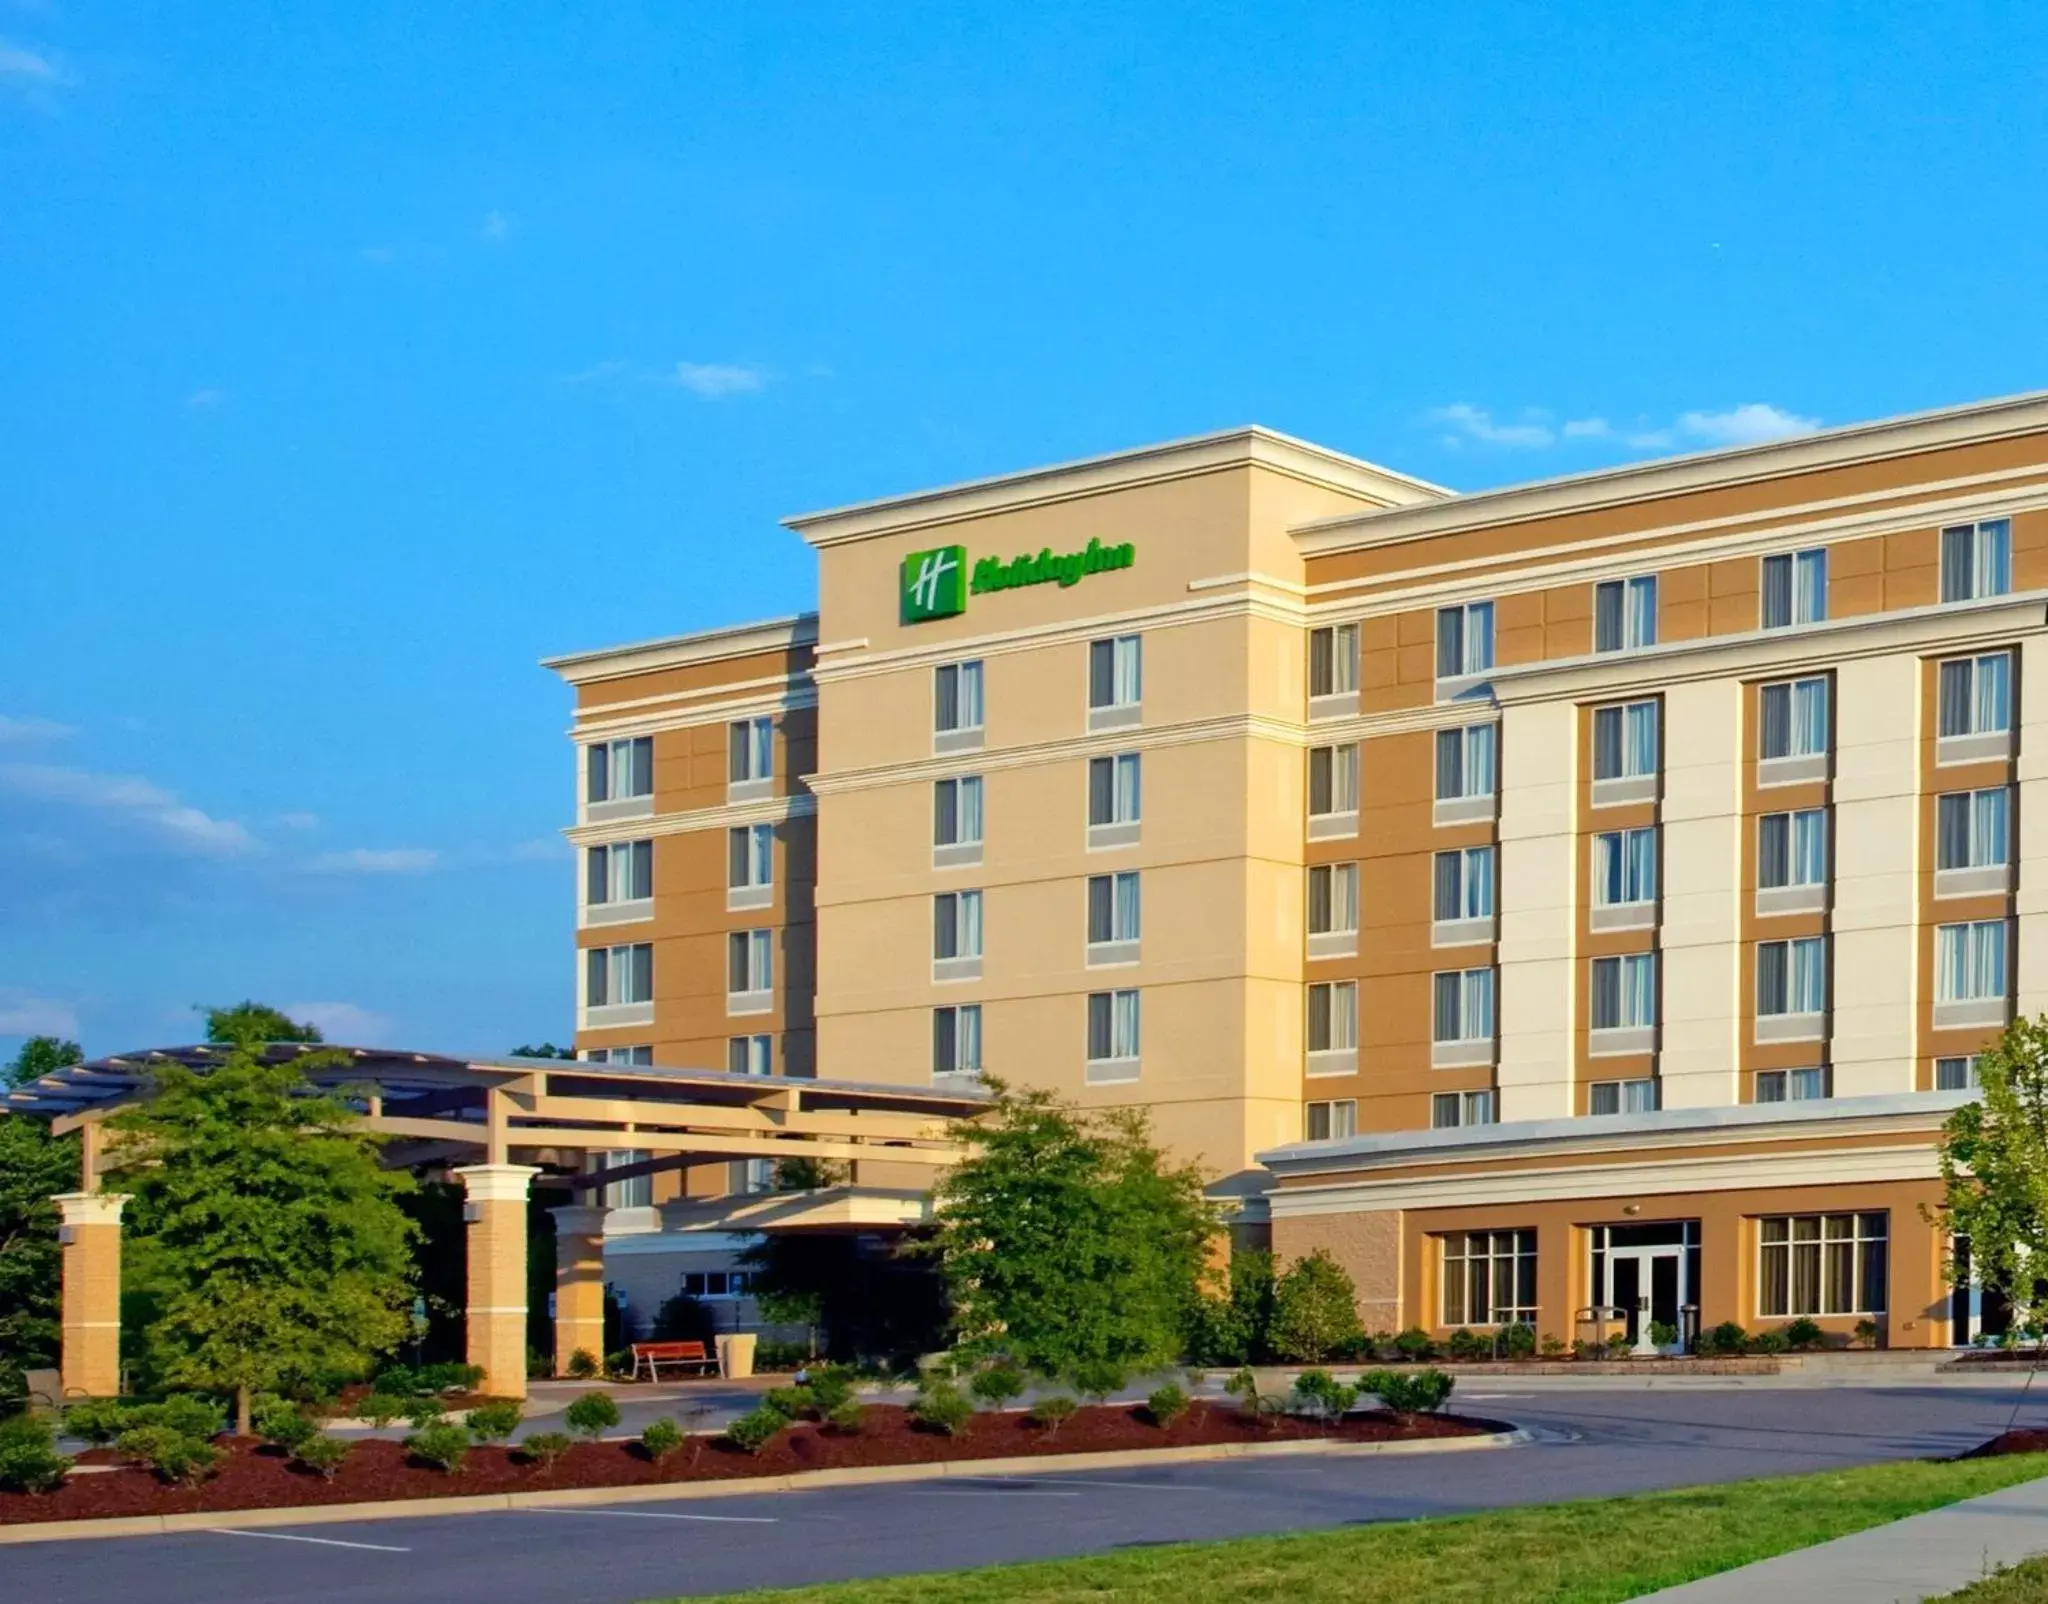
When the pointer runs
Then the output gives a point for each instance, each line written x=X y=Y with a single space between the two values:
x=656 y=1354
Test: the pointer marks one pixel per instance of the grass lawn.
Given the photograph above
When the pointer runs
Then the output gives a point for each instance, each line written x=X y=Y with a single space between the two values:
x=1594 y=1552
x=2023 y=1584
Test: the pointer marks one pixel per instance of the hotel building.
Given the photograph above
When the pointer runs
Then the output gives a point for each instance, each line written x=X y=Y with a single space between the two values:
x=1587 y=894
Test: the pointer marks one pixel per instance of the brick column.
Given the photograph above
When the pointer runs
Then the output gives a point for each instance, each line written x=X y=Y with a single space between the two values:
x=91 y=1311
x=495 y=1319
x=579 y=1283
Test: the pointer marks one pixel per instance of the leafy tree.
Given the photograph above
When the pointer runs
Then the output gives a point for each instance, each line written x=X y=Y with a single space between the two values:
x=1237 y=1328
x=34 y=1167
x=546 y=1049
x=1994 y=1169
x=808 y=1174
x=865 y=1296
x=1315 y=1309
x=250 y=1024
x=1067 y=1240
x=266 y=1236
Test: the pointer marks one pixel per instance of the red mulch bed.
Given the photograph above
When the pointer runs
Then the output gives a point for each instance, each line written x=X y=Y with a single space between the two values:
x=252 y=1476
x=2011 y=1442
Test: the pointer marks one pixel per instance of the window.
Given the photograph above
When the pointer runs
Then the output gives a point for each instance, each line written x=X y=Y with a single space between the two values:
x=720 y=1283
x=1792 y=850
x=1795 y=588
x=1821 y=1264
x=1976 y=560
x=1333 y=1027
x=956 y=821
x=620 y=771
x=1969 y=974
x=1624 y=871
x=1957 y=1074
x=1490 y=1278
x=618 y=1055
x=1461 y=1028
x=1622 y=1096
x=748 y=1177
x=750 y=1055
x=956 y=706
x=621 y=872
x=750 y=971
x=1112 y=1035
x=1463 y=903
x=1624 y=1003
x=956 y=935
x=752 y=757
x=1114 y=802
x=1625 y=758
x=1792 y=720
x=616 y=976
x=750 y=866
x=1115 y=681
x=1333 y=790
x=1791 y=1085
x=636 y=1191
x=1972 y=846
x=1791 y=988
x=956 y=1040
x=1625 y=614
x=1329 y=1122
x=1448 y=1110
x=1333 y=670
x=1466 y=772
x=1333 y=903
x=1113 y=918
x=1464 y=640
x=1974 y=711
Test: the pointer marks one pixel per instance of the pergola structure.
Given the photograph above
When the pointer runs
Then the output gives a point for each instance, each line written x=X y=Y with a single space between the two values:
x=498 y=1124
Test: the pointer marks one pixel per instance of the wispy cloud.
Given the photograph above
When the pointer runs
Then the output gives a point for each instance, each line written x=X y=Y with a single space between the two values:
x=347 y=1023
x=24 y=68
x=542 y=849
x=203 y=400
x=132 y=800
x=298 y=821
x=22 y=731
x=496 y=228
x=719 y=381
x=1533 y=430
x=1750 y=423
x=376 y=860
x=24 y=1014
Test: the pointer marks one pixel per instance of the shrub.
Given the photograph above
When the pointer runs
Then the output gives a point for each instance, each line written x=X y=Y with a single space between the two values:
x=320 y=1453
x=543 y=1448
x=792 y=1403
x=1866 y=1333
x=847 y=1416
x=780 y=1355
x=1052 y=1412
x=1663 y=1333
x=185 y=1413
x=619 y=1365
x=444 y=1446
x=1237 y=1328
x=1803 y=1333
x=1553 y=1346
x=999 y=1384
x=495 y=1421
x=1769 y=1342
x=1097 y=1379
x=1423 y=1392
x=942 y=1407
x=583 y=1365
x=1466 y=1346
x=1318 y=1393
x=592 y=1415
x=29 y=1461
x=283 y=1423
x=97 y=1420
x=381 y=1408
x=176 y=1457
x=1256 y=1405
x=1315 y=1308
x=399 y=1381
x=831 y=1387
x=1166 y=1404
x=436 y=1378
x=662 y=1440
x=1725 y=1338
x=1415 y=1345
x=422 y=1412
x=1518 y=1341
x=754 y=1430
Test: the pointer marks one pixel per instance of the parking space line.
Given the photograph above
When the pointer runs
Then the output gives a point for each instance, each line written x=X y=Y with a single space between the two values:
x=1089 y=1481
x=288 y=1537
x=979 y=1492
x=651 y=1514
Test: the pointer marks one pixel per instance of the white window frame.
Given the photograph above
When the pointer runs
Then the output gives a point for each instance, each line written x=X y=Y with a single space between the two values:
x=1803 y=759
x=1489 y=1280
x=1333 y=671
x=1464 y=648
x=1975 y=560
x=1979 y=823
x=1336 y=771
x=1449 y=1111
x=1621 y=731
x=965 y=686
x=1475 y=1003
x=1467 y=771
x=1116 y=681
x=1464 y=896
x=616 y=985
x=1115 y=938
x=1625 y=614
x=1332 y=1028
x=1338 y=1118
x=601 y=766
x=749 y=866
x=1811 y=1084
x=958 y=808
x=1114 y=1023
x=1116 y=809
x=750 y=759
x=1977 y=725
x=957 y=935
x=618 y=883
x=1642 y=1095
x=1820 y=1277
x=1332 y=898
x=618 y=1055
x=1804 y=886
x=1958 y=1072
x=1629 y=980
x=1805 y=973
x=957 y=1046
x=1624 y=862
x=1805 y=587
x=750 y=979
x=750 y=1055
x=1972 y=974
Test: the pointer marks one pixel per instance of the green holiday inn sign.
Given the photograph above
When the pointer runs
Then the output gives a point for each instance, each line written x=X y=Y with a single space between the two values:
x=937 y=583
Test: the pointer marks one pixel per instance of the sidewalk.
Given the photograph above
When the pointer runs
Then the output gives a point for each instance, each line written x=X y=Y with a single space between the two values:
x=1922 y=1557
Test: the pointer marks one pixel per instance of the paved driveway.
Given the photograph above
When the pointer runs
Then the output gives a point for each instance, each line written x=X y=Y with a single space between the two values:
x=1593 y=1443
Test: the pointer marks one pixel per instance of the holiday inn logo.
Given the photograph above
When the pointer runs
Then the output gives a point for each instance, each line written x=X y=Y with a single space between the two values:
x=936 y=583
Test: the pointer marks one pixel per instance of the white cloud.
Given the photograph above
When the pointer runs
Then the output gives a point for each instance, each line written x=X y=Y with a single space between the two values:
x=1476 y=423
x=200 y=400
x=496 y=227
x=1587 y=429
x=716 y=381
x=346 y=1023
x=298 y=821
x=544 y=849
x=1749 y=424
x=377 y=860
x=150 y=806
x=28 y=69
x=24 y=730
x=22 y=1014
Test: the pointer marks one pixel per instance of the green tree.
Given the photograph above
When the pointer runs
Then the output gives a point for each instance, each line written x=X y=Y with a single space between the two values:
x=1994 y=1169
x=267 y=1239
x=250 y=1024
x=546 y=1049
x=1068 y=1241
x=1315 y=1309
x=34 y=1167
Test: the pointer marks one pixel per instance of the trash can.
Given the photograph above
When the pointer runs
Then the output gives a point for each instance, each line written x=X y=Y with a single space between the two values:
x=736 y=1355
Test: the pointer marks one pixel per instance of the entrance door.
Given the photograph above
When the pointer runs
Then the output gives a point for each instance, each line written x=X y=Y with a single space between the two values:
x=1648 y=1285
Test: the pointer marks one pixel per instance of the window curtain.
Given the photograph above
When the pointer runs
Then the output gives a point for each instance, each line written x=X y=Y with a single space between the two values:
x=1810 y=587
x=1994 y=694
x=1970 y=961
x=1101 y=673
x=1639 y=877
x=1771 y=969
x=1450 y=769
x=1606 y=993
x=1127 y=786
x=762 y=839
x=1988 y=837
x=1478 y=998
x=1102 y=788
x=1607 y=617
x=1450 y=642
x=1126 y=922
x=945 y=1041
x=1958 y=567
x=970 y=924
x=1807 y=993
x=1640 y=755
x=1994 y=558
x=970 y=696
x=1639 y=1097
x=1809 y=854
x=1774 y=850
x=1642 y=612
x=1479 y=883
x=1639 y=990
x=969 y=801
x=1125 y=1015
x=968 y=1040
x=1129 y=676
x=1480 y=753
x=1809 y=717
x=1344 y=897
x=1447 y=1020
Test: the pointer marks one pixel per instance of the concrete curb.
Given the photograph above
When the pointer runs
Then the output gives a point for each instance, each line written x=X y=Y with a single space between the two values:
x=57 y=1531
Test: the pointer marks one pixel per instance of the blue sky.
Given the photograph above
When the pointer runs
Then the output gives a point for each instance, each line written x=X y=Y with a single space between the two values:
x=355 y=357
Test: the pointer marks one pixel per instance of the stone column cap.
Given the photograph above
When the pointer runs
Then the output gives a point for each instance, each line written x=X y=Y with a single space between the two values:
x=581 y=1219
x=90 y=1208
x=496 y=1183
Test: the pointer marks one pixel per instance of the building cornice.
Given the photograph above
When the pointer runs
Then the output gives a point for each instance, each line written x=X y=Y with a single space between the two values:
x=682 y=710
x=769 y=810
x=1121 y=470
x=1976 y=423
x=678 y=651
